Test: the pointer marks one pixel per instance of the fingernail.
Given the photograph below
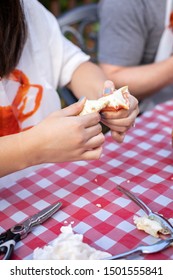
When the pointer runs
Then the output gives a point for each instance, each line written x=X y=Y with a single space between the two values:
x=102 y=115
x=107 y=91
x=81 y=98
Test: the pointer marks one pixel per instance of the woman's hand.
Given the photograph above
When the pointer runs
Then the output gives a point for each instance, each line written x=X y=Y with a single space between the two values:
x=65 y=136
x=119 y=122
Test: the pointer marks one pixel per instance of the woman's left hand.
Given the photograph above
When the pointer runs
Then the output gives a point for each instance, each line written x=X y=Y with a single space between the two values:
x=119 y=122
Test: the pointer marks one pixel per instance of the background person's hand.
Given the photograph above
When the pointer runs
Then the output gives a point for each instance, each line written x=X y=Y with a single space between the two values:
x=65 y=136
x=119 y=122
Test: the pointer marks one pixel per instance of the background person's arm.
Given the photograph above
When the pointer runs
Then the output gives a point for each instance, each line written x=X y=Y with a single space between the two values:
x=142 y=80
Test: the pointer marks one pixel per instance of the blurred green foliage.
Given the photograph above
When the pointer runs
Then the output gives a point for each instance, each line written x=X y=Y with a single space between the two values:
x=64 y=4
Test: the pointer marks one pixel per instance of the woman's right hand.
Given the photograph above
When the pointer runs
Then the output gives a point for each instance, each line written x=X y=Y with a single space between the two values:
x=65 y=136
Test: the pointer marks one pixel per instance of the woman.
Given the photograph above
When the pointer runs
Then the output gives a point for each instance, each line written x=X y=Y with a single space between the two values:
x=35 y=60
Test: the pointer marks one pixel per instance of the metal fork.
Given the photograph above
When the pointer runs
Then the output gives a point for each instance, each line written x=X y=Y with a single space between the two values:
x=147 y=249
x=142 y=249
x=168 y=228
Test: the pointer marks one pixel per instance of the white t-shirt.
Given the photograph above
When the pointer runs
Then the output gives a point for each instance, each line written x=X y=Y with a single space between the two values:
x=47 y=62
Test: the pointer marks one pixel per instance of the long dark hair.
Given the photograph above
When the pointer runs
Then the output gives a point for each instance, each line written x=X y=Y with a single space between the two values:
x=12 y=34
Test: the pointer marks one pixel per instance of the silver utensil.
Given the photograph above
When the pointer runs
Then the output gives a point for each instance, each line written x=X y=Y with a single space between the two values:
x=168 y=228
x=142 y=249
x=147 y=249
x=9 y=238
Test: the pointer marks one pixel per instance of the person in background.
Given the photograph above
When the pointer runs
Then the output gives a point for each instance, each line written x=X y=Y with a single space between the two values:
x=35 y=60
x=129 y=38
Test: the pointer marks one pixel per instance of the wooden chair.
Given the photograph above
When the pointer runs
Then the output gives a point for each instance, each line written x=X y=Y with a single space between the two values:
x=80 y=25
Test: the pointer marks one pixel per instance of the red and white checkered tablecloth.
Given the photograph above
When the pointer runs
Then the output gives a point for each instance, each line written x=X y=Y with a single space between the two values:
x=91 y=203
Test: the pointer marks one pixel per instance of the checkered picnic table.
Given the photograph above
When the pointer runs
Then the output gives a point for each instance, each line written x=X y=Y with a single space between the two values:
x=91 y=202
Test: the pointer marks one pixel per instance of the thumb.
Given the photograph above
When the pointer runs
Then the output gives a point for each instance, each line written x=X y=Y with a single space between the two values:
x=108 y=87
x=74 y=109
